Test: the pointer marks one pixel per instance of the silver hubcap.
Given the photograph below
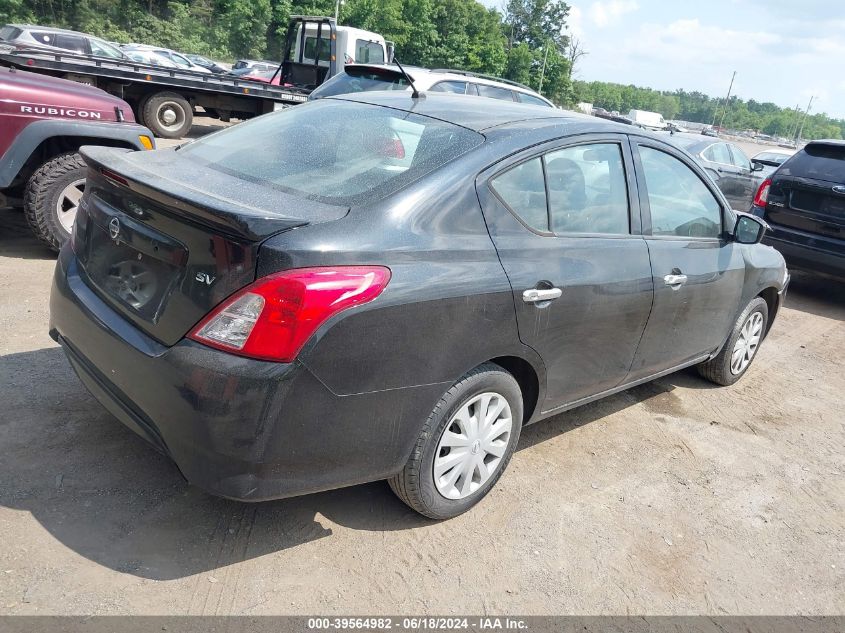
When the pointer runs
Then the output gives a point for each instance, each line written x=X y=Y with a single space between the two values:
x=747 y=343
x=170 y=116
x=68 y=203
x=471 y=448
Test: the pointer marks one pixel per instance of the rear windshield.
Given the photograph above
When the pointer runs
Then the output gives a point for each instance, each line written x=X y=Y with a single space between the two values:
x=9 y=32
x=818 y=160
x=334 y=152
x=360 y=80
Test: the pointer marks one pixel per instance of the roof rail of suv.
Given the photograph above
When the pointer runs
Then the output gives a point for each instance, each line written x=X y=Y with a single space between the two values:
x=469 y=73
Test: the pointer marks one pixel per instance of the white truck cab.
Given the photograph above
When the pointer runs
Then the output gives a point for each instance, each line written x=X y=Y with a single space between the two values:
x=647 y=120
x=352 y=46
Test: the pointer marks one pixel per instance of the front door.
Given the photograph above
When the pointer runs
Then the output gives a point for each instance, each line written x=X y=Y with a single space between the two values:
x=698 y=271
x=565 y=222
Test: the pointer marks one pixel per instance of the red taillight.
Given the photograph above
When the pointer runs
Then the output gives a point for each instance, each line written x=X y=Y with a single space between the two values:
x=274 y=317
x=114 y=177
x=762 y=194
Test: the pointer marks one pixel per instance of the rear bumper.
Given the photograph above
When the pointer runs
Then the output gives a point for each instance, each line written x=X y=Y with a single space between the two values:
x=800 y=254
x=238 y=428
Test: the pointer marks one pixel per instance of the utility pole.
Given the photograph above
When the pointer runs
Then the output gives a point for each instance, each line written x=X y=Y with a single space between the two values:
x=804 y=118
x=727 y=99
x=543 y=69
x=337 y=9
x=793 y=128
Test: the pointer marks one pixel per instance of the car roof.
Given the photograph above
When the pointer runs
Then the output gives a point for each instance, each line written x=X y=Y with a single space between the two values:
x=418 y=73
x=465 y=111
x=52 y=29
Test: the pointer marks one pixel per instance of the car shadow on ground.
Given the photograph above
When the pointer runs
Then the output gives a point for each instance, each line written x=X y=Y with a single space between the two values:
x=814 y=294
x=107 y=495
x=16 y=238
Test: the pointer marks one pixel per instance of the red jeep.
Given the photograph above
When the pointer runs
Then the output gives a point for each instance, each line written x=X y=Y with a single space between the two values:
x=43 y=123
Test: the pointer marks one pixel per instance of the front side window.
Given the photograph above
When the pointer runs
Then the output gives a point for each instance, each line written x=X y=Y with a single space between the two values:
x=368 y=52
x=680 y=203
x=587 y=189
x=526 y=98
x=739 y=158
x=494 y=92
x=104 y=49
x=523 y=189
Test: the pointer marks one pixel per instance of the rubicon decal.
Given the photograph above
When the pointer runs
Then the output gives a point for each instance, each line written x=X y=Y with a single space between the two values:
x=69 y=112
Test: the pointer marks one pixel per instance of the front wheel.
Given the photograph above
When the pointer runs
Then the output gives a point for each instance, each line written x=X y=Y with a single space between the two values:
x=464 y=446
x=52 y=198
x=735 y=358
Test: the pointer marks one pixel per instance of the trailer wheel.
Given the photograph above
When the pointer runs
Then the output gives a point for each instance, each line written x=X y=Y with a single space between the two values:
x=168 y=115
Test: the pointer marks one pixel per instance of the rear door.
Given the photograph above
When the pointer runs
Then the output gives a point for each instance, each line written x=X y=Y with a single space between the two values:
x=747 y=180
x=719 y=155
x=807 y=194
x=698 y=271
x=565 y=222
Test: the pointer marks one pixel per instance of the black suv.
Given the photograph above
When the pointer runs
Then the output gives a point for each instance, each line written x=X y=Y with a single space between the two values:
x=804 y=203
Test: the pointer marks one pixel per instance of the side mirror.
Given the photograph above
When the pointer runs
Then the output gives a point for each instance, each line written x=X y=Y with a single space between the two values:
x=749 y=229
x=755 y=166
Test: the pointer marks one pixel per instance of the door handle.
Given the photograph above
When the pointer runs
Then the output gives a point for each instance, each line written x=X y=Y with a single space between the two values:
x=675 y=280
x=536 y=295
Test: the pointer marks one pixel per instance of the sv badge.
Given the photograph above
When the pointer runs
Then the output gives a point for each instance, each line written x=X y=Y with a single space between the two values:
x=205 y=278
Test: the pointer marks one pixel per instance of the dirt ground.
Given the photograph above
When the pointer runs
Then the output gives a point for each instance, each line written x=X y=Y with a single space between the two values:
x=671 y=498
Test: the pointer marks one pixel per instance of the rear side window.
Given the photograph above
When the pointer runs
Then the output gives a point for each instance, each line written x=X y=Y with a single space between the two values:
x=346 y=153
x=587 y=189
x=454 y=87
x=9 y=32
x=360 y=80
x=368 y=52
x=44 y=38
x=523 y=189
x=494 y=92
x=819 y=161
x=72 y=43
x=680 y=203
x=526 y=98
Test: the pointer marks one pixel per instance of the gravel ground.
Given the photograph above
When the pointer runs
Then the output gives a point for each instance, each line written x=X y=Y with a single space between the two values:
x=671 y=498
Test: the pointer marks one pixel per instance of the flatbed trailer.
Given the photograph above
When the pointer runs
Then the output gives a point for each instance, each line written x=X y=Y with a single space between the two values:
x=164 y=99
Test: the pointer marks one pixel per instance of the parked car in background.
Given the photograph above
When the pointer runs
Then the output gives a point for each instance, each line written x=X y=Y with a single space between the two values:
x=150 y=58
x=804 y=203
x=770 y=159
x=216 y=67
x=369 y=77
x=647 y=120
x=177 y=58
x=43 y=123
x=726 y=164
x=399 y=298
x=709 y=131
x=49 y=38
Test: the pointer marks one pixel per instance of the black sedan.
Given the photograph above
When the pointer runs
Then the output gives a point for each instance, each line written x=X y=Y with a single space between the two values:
x=381 y=287
x=727 y=165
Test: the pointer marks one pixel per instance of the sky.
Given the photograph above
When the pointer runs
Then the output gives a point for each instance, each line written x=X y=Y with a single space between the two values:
x=783 y=51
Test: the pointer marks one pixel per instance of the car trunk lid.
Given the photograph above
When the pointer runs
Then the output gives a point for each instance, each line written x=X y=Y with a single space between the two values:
x=808 y=192
x=164 y=240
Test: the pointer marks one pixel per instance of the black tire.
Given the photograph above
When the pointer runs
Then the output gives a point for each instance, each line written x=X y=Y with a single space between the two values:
x=154 y=106
x=718 y=369
x=415 y=484
x=42 y=194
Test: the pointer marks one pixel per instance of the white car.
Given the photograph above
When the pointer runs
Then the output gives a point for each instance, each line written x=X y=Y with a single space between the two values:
x=769 y=160
x=367 y=77
x=150 y=58
x=177 y=58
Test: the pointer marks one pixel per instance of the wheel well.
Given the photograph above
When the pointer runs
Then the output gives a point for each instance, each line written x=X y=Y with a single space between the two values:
x=770 y=296
x=51 y=147
x=525 y=375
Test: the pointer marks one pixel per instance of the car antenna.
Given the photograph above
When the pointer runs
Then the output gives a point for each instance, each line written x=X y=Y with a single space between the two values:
x=416 y=94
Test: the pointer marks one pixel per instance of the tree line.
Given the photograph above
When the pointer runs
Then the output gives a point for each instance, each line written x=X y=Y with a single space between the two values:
x=736 y=114
x=526 y=43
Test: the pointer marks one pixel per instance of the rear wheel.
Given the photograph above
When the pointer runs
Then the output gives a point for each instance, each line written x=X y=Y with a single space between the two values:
x=168 y=115
x=745 y=339
x=464 y=446
x=52 y=198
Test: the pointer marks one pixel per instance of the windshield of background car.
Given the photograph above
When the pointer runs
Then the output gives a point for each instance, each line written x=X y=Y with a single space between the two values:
x=820 y=161
x=771 y=157
x=360 y=80
x=334 y=151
